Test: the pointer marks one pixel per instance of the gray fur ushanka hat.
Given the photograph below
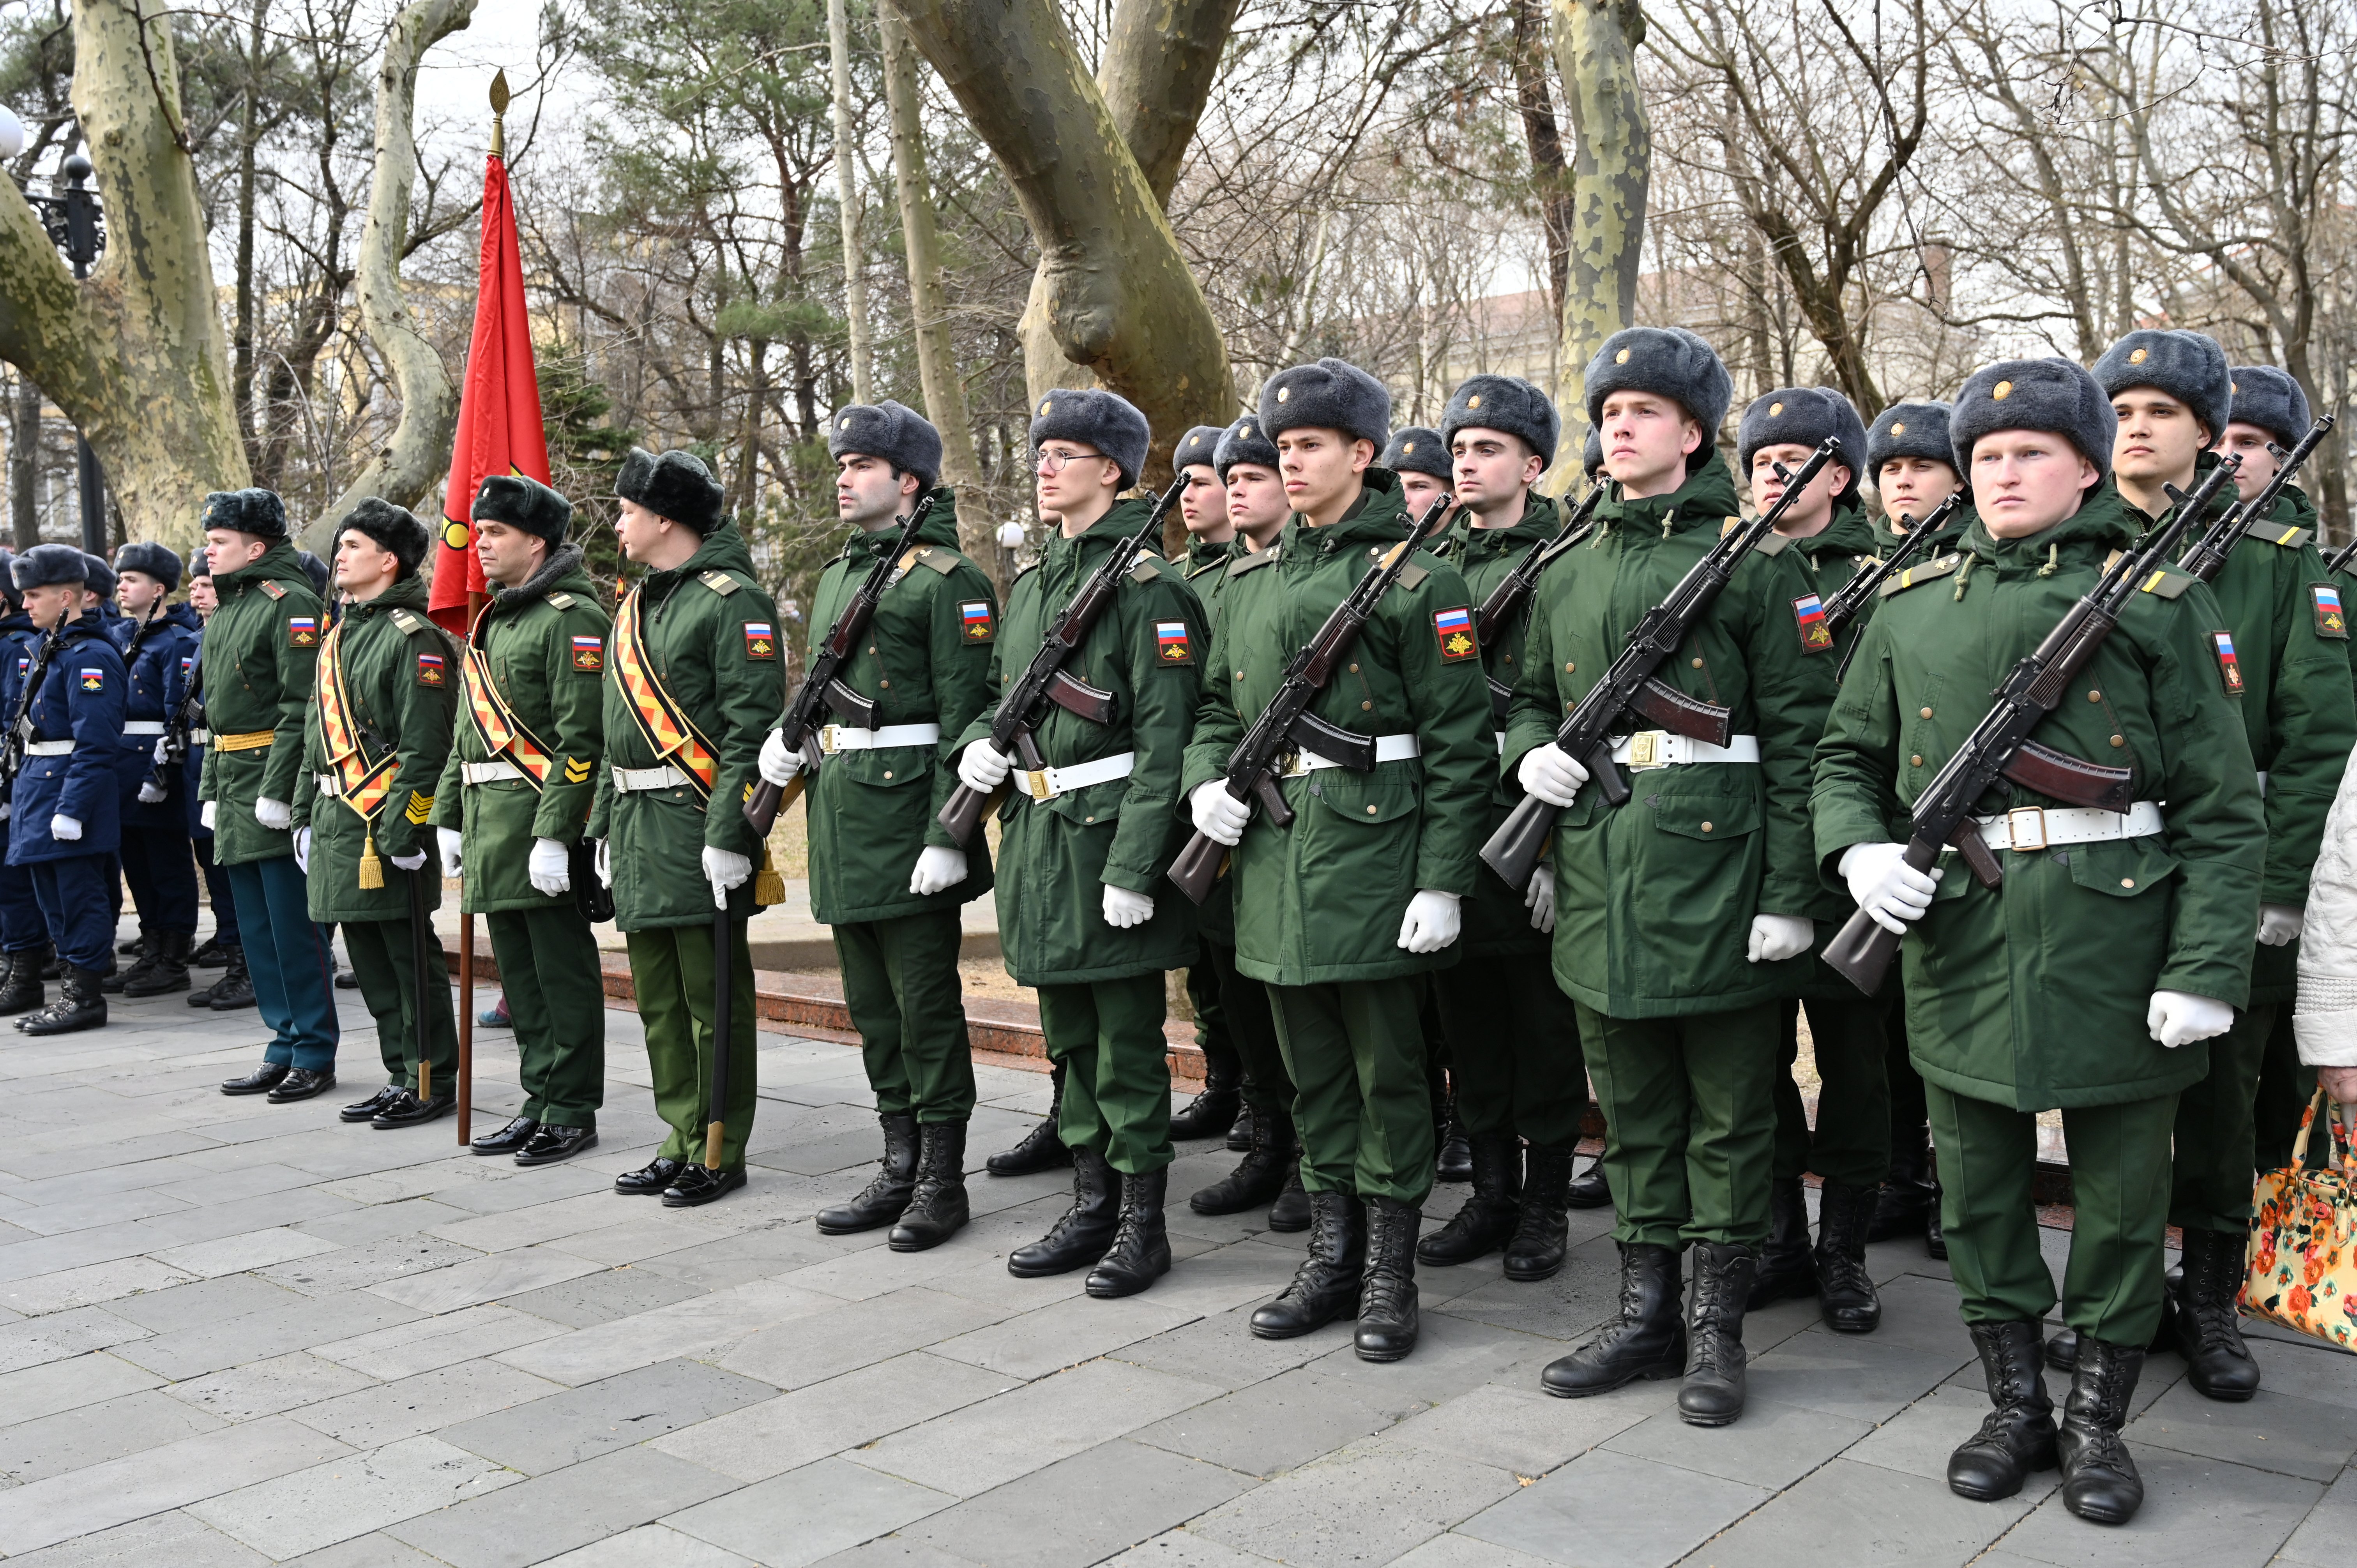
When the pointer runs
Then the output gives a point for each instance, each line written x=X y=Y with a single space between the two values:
x=1242 y=443
x=2188 y=366
x=2271 y=400
x=1504 y=402
x=1414 y=450
x=2052 y=395
x=675 y=485
x=1804 y=416
x=1915 y=429
x=1332 y=395
x=1093 y=417
x=1668 y=361
x=894 y=432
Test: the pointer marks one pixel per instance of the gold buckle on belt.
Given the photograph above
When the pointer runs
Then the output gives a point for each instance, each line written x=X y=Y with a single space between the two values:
x=1035 y=784
x=1649 y=748
x=826 y=740
x=1296 y=767
x=2025 y=828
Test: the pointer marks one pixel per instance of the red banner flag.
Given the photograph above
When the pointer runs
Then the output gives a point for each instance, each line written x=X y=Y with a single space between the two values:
x=499 y=411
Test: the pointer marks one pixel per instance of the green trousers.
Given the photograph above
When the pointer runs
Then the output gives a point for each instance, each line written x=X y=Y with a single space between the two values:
x=900 y=986
x=1215 y=1036
x=2216 y=1137
x=383 y=962
x=1360 y=1102
x=548 y=967
x=2119 y=1179
x=1851 y=1142
x=1252 y=1029
x=1515 y=1040
x=1108 y=1036
x=672 y=967
x=1689 y=1130
x=2284 y=1088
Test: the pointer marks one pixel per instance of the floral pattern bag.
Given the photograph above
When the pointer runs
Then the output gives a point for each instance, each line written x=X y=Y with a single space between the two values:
x=2303 y=1261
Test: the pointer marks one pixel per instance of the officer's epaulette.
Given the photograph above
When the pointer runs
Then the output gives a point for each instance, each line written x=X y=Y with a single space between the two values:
x=2167 y=582
x=409 y=621
x=1900 y=582
x=720 y=583
x=275 y=590
x=1218 y=563
x=562 y=601
x=1773 y=544
x=1410 y=576
x=1252 y=563
x=2287 y=538
x=942 y=561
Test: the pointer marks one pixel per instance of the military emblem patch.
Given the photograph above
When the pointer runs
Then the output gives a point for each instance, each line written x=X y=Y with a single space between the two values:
x=430 y=670
x=1809 y=614
x=975 y=620
x=588 y=653
x=577 y=771
x=420 y=807
x=1454 y=630
x=1170 y=644
x=303 y=631
x=93 y=679
x=761 y=639
x=2222 y=644
x=2329 y=620
x=188 y=666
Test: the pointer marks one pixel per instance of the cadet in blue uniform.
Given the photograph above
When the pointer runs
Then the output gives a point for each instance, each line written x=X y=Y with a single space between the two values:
x=157 y=862
x=62 y=822
x=23 y=935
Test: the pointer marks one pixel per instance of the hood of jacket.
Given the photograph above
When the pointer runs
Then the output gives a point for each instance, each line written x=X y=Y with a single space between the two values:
x=563 y=568
x=279 y=564
x=406 y=593
x=939 y=527
x=2104 y=522
x=1706 y=499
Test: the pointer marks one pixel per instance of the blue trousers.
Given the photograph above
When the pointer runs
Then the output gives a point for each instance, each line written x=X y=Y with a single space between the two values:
x=289 y=962
x=22 y=926
x=163 y=878
x=72 y=894
x=217 y=893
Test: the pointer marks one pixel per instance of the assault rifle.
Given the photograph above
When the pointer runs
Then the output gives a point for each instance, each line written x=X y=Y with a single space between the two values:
x=2000 y=746
x=1630 y=687
x=823 y=691
x=20 y=721
x=2208 y=556
x=1859 y=591
x=1287 y=725
x=1013 y=728
x=1507 y=600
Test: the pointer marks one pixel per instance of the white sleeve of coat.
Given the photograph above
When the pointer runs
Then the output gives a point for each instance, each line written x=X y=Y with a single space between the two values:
x=2324 y=1020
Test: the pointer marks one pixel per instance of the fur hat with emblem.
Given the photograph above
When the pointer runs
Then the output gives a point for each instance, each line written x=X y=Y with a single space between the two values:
x=897 y=433
x=100 y=578
x=1242 y=443
x=45 y=565
x=675 y=485
x=1332 y=395
x=522 y=501
x=391 y=527
x=1804 y=417
x=155 y=559
x=1668 y=361
x=2270 y=399
x=1418 y=450
x=2052 y=395
x=2188 y=366
x=1200 y=446
x=1504 y=402
x=1918 y=429
x=255 y=511
x=1101 y=420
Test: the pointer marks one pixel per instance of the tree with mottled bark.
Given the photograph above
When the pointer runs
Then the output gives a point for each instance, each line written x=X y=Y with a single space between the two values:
x=1611 y=173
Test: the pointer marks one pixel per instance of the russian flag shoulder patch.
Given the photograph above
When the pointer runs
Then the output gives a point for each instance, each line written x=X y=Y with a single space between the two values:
x=2222 y=644
x=1171 y=645
x=760 y=641
x=1809 y=614
x=588 y=653
x=1453 y=629
x=975 y=623
x=2329 y=620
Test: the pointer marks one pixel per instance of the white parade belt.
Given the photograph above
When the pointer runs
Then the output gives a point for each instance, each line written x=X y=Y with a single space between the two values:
x=330 y=785
x=2050 y=827
x=635 y=780
x=833 y=738
x=1500 y=736
x=1388 y=748
x=48 y=747
x=2262 y=786
x=142 y=726
x=200 y=736
x=498 y=772
x=1046 y=783
x=1667 y=749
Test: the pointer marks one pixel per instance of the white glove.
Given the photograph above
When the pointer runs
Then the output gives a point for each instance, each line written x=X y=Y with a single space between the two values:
x=206 y=809
x=981 y=765
x=936 y=870
x=413 y=860
x=1219 y=816
x=163 y=758
x=276 y=815
x=452 y=843
x=1549 y=773
x=779 y=763
x=1890 y=891
x=2279 y=924
x=150 y=792
x=1123 y=908
x=1540 y=899
x=1775 y=937
x=602 y=859
x=303 y=848
x=2179 y=1017
x=725 y=869
x=64 y=828
x=550 y=871
x=1431 y=923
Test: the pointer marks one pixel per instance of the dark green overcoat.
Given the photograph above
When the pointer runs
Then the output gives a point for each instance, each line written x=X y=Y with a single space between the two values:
x=259 y=648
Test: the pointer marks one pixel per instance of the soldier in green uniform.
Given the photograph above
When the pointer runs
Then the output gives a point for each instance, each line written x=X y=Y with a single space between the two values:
x=1344 y=913
x=2113 y=945
x=885 y=875
x=2174 y=396
x=1514 y=1035
x=1850 y=1146
x=1682 y=918
x=693 y=681
x=374 y=740
x=515 y=796
x=1085 y=842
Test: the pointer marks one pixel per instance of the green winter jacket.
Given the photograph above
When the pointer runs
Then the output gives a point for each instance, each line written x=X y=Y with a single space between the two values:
x=1058 y=857
x=1206 y=566
x=712 y=632
x=546 y=640
x=259 y=648
x=401 y=675
x=2033 y=995
x=926 y=659
x=1654 y=900
x=1321 y=901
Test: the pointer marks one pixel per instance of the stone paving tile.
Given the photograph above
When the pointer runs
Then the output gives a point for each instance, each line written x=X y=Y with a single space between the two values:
x=173 y=1539
x=1919 y=1439
x=374 y=1550
x=1847 y=1374
x=267 y=1388
x=1859 y=1513
x=1455 y=1550
x=328 y=1503
x=2197 y=1513
x=602 y=1295
x=618 y=1412
x=806 y=1514
x=1064 y=1334
x=839 y=1338
x=420 y=1345
x=2272 y=1432
x=174 y=1475
x=71 y=1440
x=235 y=1254
x=480 y=1280
x=1524 y=1430
x=2323 y=1538
x=1606 y=1510
x=1222 y=1351
x=651 y=1544
x=1356 y=1505
x=206 y=1302
x=856 y=1409
x=34 y=1340
x=705 y=1326
x=425 y=1402
x=192 y=1353
x=1271 y=1426
x=70 y=1385
x=1079 y=1510
x=552 y=1514
x=1772 y=1447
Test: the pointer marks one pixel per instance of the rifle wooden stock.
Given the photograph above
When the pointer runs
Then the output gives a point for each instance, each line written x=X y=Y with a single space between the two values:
x=1862 y=950
x=1197 y=868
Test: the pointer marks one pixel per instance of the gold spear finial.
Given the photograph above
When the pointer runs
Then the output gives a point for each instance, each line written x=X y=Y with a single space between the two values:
x=498 y=114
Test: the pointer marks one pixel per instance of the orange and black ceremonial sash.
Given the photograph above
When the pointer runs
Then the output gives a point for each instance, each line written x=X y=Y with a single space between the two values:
x=496 y=726
x=365 y=781
x=660 y=718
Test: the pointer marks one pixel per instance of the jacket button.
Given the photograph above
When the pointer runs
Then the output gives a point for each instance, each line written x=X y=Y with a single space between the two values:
x=2094 y=696
x=871 y=648
x=1509 y=659
x=1240 y=674
x=1370 y=811
x=1090 y=818
x=1922 y=713
x=888 y=773
x=1567 y=668
x=2119 y=740
x=1915 y=761
x=1355 y=670
x=1366 y=707
x=2127 y=881
x=1697 y=663
x=883 y=683
x=1706 y=827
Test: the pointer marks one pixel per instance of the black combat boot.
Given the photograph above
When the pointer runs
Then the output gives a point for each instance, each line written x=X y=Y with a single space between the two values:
x=1084 y=1232
x=1908 y=1201
x=1210 y=1113
x=1326 y=1285
x=1039 y=1149
x=2063 y=1351
x=136 y=951
x=1543 y=1234
x=1846 y=1293
x=2099 y=1478
x=1140 y=1253
x=1240 y=1135
x=1936 y=1235
x=1290 y=1211
x=1784 y=1268
x=213 y=955
x=1712 y=1395
x=22 y=991
x=2202 y=1325
x=1455 y=1159
x=2017 y=1437
x=1589 y=1189
x=1649 y=1340
x=1387 y=1313
x=80 y=1005
x=165 y=967
x=1485 y=1220
x=936 y=1207
x=233 y=989
x=883 y=1200
x=1259 y=1176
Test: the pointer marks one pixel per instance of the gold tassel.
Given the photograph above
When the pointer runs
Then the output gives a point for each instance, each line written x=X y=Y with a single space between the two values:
x=371 y=868
x=768 y=887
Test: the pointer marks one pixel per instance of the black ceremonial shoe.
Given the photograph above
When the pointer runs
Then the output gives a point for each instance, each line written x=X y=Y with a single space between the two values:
x=366 y=1109
x=411 y=1111
x=696 y=1185
x=553 y=1142
x=261 y=1080
x=302 y=1083
x=649 y=1180
x=506 y=1141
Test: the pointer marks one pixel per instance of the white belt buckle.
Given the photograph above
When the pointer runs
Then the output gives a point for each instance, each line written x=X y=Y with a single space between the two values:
x=1296 y=766
x=1649 y=748
x=826 y=740
x=2025 y=828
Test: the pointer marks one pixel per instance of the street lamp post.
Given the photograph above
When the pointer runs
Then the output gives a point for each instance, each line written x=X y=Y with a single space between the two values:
x=76 y=227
